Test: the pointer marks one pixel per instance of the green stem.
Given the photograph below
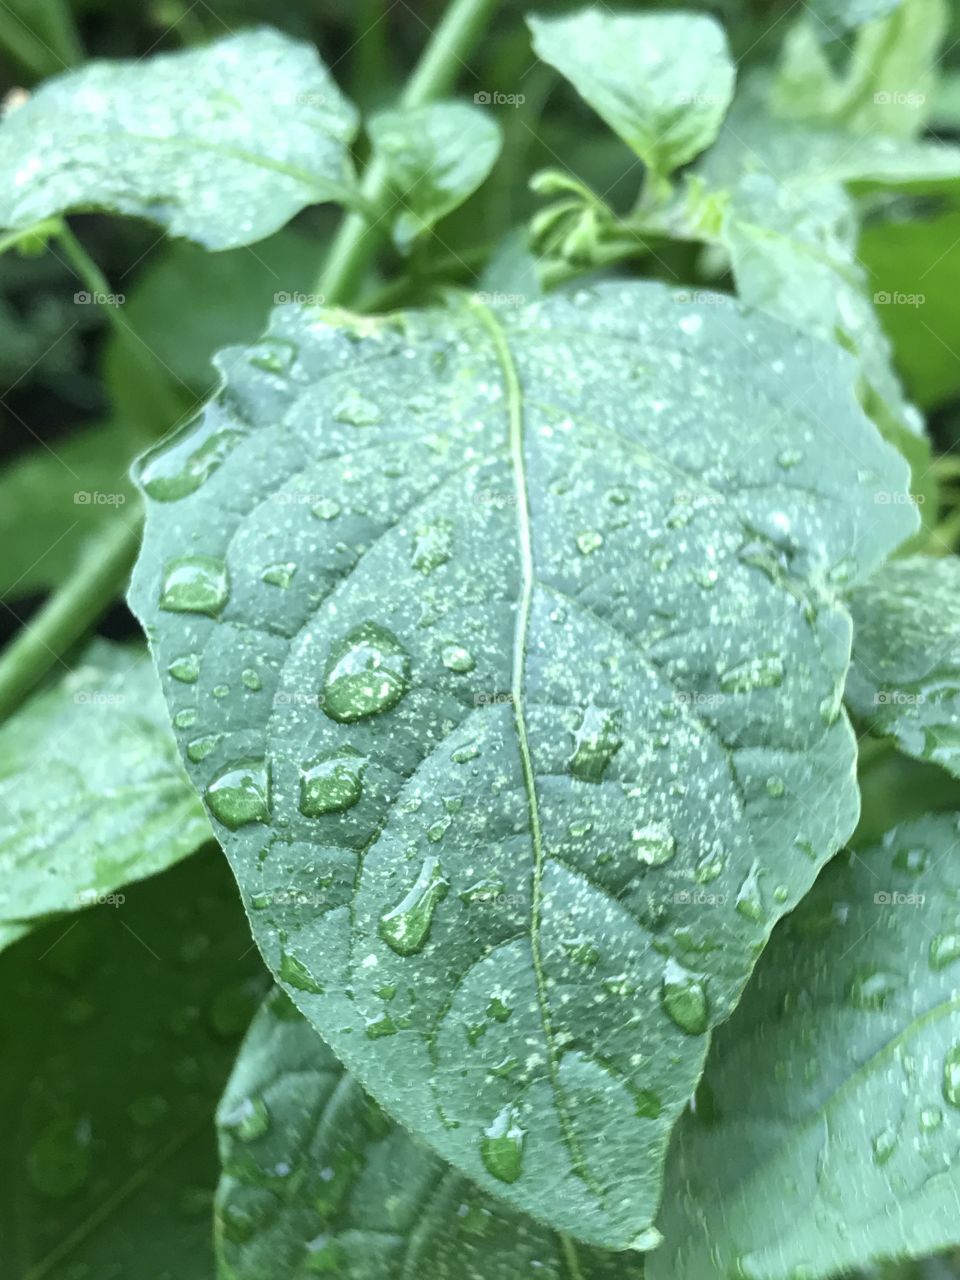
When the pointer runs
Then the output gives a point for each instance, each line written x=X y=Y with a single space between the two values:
x=61 y=31
x=67 y=615
x=161 y=406
x=433 y=76
x=25 y=47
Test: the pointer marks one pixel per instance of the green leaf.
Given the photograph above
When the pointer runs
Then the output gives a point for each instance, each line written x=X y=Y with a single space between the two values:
x=222 y=144
x=905 y=678
x=662 y=81
x=825 y=1132
x=435 y=157
x=914 y=268
x=513 y=626
x=54 y=500
x=839 y=16
x=887 y=84
x=92 y=795
x=316 y=1179
x=118 y=1030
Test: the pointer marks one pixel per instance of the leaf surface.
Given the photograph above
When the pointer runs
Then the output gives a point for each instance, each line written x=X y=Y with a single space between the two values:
x=826 y=1127
x=92 y=795
x=663 y=82
x=435 y=156
x=119 y=1027
x=317 y=1178
x=905 y=678
x=222 y=144
x=514 y=628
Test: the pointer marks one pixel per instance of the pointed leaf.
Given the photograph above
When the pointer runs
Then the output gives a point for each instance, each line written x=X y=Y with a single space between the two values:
x=316 y=1179
x=515 y=627
x=222 y=144
x=826 y=1128
x=905 y=678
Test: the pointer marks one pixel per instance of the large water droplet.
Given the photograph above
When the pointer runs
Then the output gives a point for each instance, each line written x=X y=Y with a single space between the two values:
x=185 y=668
x=870 y=989
x=178 y=469
x=280 y=574
x=750 y=896
x=296 y=974
x=501 y=1147
x=456 y=658
x=684 y=999
x=653 y=844
x=951 y=1075
x=331 y=783
x=240 y=793
x=763 y=672
x=595 y=742
x=367 y=673
x=406 y=927
x=432 y=546
x=195 y=584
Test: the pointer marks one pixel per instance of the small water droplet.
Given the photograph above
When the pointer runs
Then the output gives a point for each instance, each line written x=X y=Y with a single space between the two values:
x=482 y=891
x=280 y=574
x=175 y=470
x=456 y=658
x=406 y=927
x=199 y=748
x=750 y=898
x=581 y=950
x=185 y=718
x=326 y=509
x=296 y=974
x=763 y=672
x=884 y=1144
x=789 y=458
x=776 y=786
x=684 y=999
x=870 y=989
x=240 y=793
x=432 y=546
x=251 y=679
x=588 y=541
x=931 y=1118
x=249 y=1119
x=355 y=410
x=463 y=754
x=944 y=949
x=185 y=668
x=501 y=1147
x=951 y=1075
x=381 y=1026
x=195 y=584
x=653 y=844
x=331 y=783
x=595 y=742
x=367 y=673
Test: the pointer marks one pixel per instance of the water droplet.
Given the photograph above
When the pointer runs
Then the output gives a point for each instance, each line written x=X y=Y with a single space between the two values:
x=432 y=546
x=708 y=868
x=750 y=897
x=789 y=458
x=649 y=1105
x=653 y=844
x=581 y=950
x=280 y=574
x=595 y=742
x=185 y=718
x=684 y=999
x=367 y=673
x=910 y=859
x=931 y=1118
x=273 y=356
x=775 y=786
x=588 y=541
x=332 y=782
x=177 y=469
x=501 y=1147
x=251 y=679
x=406 y=927
x=249 y=1119
x=357 y=411
x=951 y=1075
x=381 y=1026
x=437 y=830
x=870 y=989
x=884 y=1144
x=296 y=974
x=185 y=668
x=464 y=754
x=325 y=1255
x=195 y=584
x=944 y=949
x=240 y=793
x=199 y=748
x=483 y=891
x=456 y=658
x=326 y=509
x=763 y=672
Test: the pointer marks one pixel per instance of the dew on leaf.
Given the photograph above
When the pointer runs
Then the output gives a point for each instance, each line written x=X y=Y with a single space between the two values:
x=195 y=584
x=326 y=509
x=456 y=658
x=432 y=546
x=331 y=783
x=406 y=927
x=951 y=1075
x=944 y=949
x=357 y=411
x=251 y=679
x=186 y=668
x=280 y=574
x=294 y=972
x=653 y=845
x=199 y=748
x=749 y=897
x=249 y=1119
x=501 y=1146
x=763 y=672
x=870 y=989
x=367 y=673
x=240 y=793
x=595 y=742
x=684 y=999
x=588 y=541
x=176 y=470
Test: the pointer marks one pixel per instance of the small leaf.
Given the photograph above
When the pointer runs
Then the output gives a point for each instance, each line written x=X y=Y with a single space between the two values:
x=118 y=1028
x=663 y=82
x=92 y=795
x=317 y=1180
x=577 y=613
x=905 y=678
x=222 y=144
x=435 y=157
x=826 y=1128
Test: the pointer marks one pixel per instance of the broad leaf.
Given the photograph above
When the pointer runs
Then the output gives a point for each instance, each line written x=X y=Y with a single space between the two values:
x=118 y=1030
x=514 y=627
x=92 y=795
x=434 y=157
x=222 y=144
x=317 y=1180
x=826 y=1129
x=55 y=499
x=905 y=679
x=663 y=82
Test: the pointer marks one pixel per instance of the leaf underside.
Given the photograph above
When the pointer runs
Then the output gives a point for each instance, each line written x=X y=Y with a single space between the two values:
x=518 y=668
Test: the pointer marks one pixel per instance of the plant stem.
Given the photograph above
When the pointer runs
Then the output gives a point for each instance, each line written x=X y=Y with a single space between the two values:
x=433 y=76
x=25 y=47
x=68 y=614
x=161 y=405
x=61 y=31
